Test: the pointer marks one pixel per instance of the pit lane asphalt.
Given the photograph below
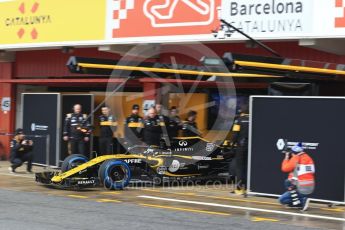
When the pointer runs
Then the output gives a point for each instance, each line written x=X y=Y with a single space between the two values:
x=24 y=204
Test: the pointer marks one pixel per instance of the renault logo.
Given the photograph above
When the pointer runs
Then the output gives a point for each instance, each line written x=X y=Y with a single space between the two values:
x=33 y=127
x=182 y=143
x=280 y=144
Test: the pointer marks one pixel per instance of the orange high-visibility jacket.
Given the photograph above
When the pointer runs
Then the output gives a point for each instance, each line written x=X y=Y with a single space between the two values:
x=301 y=168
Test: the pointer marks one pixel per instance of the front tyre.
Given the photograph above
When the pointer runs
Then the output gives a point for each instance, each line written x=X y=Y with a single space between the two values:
x=114 y=174
x=73 y=161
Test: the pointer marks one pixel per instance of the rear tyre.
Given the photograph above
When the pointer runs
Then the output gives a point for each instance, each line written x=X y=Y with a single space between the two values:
x=73 y=161
x=114 y=174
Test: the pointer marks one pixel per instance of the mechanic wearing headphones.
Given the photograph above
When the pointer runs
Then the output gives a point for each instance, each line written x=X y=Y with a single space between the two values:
x=76 y=130
x=108 y=126
x=21 y=151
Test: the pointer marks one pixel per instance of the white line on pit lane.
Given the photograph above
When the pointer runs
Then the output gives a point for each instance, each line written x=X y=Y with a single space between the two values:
x=18 y=175
x=244 y=208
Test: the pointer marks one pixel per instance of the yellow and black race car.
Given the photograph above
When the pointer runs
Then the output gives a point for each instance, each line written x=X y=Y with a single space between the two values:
x=187 y=159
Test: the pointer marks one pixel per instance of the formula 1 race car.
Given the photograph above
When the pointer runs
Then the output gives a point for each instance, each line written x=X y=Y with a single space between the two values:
x=187 y=159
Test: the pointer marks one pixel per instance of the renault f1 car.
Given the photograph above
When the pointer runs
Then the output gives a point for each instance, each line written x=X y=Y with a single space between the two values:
x=187 y=159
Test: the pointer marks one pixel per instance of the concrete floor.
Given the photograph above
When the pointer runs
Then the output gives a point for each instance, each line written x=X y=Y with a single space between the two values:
x=29 y=205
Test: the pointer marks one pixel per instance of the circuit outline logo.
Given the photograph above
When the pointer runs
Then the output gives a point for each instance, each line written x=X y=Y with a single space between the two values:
x=163 y=14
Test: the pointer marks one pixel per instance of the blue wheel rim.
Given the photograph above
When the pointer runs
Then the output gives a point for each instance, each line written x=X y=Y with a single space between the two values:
x=109 y=183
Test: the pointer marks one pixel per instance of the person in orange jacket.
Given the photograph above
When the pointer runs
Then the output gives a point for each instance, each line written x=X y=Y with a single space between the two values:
x=301 y=181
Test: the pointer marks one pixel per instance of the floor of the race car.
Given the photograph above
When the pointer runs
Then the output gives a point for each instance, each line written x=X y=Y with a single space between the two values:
x=207 y=199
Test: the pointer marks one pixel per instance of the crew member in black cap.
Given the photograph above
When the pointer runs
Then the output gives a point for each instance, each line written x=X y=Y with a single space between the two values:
x=133 y=126
x=21 y=151
x=77 y=130
x=108 y=126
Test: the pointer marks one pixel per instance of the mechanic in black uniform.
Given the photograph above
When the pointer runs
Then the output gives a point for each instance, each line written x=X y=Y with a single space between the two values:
x=164 y=123
x=189 y=127
x=76 y=130
x=108 y=126
x=21 y=151
x=175 y=123
x=133 y=127
x=152 y=128
x=240 y=140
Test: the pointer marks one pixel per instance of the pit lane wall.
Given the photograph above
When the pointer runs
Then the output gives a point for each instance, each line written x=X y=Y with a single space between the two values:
x=49 y=23
x=317 y=122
